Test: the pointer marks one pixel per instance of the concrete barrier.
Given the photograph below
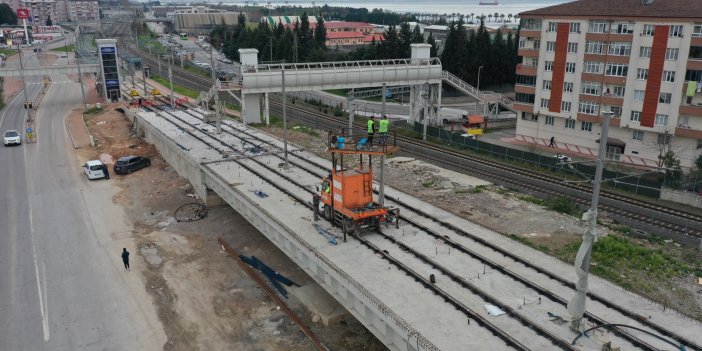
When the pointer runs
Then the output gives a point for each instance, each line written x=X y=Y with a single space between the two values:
x=682 y=197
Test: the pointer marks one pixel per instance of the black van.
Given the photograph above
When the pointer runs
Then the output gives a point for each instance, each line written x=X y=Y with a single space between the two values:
x=129 y=164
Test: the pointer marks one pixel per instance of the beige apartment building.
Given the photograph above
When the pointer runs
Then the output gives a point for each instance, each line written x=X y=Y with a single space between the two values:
x=640 y=59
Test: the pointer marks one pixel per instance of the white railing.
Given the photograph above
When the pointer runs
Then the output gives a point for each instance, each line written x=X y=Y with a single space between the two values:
x=483 y=96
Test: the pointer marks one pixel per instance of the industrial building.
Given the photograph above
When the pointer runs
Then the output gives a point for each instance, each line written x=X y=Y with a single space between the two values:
x=639 y=59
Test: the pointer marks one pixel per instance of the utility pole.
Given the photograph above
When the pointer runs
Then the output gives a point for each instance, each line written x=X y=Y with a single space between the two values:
x=349 y=99
x=82 y=88
x=426 y=94
x=576 y=306
x=28 y=116
x=170 y=79
x=218 y=117
x=285 y=116
x=381 y=193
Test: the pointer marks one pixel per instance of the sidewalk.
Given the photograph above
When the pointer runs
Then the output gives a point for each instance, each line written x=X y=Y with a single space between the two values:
x=77 y=129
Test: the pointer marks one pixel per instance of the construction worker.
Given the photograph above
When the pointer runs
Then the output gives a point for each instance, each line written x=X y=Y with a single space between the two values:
x=315 y=204
x=383 y=129
x=371 y=130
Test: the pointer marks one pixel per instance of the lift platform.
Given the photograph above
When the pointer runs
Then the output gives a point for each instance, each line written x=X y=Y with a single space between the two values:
x=347 y=193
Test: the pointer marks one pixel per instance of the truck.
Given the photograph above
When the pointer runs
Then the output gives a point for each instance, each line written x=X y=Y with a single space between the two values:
x=452 y=115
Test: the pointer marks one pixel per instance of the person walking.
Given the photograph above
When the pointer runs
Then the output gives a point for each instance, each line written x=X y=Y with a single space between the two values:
x=552 y=144
x=383 y=129
x=105 y=171
x=315 y=204
x=125 y=258
x=371 y=130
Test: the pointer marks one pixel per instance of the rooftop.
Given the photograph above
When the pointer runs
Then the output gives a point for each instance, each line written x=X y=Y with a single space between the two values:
x=344 y=35
x=622 y=8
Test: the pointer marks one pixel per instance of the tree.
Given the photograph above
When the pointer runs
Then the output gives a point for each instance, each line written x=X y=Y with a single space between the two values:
x=405 y=39
x=417 y=35
x=320 y=33
x=49 y=22
x=7 y=15
x=391 y=46
x=434 y=50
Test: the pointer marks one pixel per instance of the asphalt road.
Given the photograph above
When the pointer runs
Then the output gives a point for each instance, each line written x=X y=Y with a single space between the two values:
x=62 y=283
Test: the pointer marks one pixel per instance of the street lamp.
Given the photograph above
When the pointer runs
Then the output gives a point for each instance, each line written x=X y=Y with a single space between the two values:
x=478 y=85
x=576 y=306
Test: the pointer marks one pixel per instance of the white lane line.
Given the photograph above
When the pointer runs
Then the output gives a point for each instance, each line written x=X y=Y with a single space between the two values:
x=44 y=312
x=7 y=107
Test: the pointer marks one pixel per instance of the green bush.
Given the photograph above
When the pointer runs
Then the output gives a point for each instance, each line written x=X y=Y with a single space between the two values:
x=563 y=205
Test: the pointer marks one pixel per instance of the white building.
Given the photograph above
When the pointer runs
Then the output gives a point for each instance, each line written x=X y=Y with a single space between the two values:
x=643 y=62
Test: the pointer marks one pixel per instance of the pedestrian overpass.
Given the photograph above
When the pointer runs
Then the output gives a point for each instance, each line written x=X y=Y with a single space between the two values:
x=49 y=70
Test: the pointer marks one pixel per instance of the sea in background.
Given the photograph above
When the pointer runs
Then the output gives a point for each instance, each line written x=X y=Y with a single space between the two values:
x=419 y=6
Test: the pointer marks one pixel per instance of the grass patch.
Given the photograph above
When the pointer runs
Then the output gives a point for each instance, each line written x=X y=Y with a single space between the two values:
x=429 y=183
x=7 y=52
x=563 y=205
x=478 y=189
x=69 y=48
x=306 y=130
x=339 y=92
x=532 y=199
x=191 y=93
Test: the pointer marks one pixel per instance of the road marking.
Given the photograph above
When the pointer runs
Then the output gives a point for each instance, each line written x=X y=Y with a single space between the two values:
x=42 y=297
x=7 y=107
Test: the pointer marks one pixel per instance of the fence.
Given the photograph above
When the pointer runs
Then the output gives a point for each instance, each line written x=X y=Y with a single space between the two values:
x=635 y=184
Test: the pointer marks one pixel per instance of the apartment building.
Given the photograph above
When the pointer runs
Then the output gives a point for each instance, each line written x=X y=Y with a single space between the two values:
x=58 y=10
x=639 y=59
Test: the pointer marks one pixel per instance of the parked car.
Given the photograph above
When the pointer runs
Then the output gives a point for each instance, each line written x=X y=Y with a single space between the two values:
x=562 y=158
x=93 y=169
x=12 y=137
x=129 y=164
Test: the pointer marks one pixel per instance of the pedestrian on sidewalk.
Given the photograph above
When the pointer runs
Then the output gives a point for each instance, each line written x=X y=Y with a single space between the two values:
x=552 y=144
x=105 y=171
x=125 y=258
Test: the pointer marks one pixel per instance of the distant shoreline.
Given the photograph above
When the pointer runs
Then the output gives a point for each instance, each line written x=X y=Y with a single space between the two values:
x=439 y=7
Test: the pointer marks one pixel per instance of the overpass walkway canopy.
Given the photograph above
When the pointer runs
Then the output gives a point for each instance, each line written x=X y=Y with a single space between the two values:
x=268 y=78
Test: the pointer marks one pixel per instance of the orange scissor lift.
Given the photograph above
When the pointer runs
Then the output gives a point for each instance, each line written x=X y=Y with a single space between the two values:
x=353 y=206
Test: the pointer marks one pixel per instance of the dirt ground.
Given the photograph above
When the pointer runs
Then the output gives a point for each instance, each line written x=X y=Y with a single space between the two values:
x=203 y=298
x=503 y=211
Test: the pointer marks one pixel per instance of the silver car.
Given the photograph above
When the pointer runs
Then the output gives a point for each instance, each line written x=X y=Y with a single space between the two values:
x=12 y=137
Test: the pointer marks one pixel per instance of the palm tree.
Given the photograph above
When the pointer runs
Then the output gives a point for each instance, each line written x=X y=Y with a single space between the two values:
x=472 y=16
x=489 y=17
x=502 y=17
x=510 y=17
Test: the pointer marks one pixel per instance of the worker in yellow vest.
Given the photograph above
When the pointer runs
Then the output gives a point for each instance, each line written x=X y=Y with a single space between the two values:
x=371 y=130
x=383 y=129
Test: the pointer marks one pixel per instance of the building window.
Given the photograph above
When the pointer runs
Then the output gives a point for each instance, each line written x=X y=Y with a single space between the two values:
x=597 y=26
x=639 y=95
x=548 y=66
x=570 y=67
x=549 y=120
x=550 y=46
x=618 y=91
x=617 y=69
x=586 y=126
x=665 y=98
x=537 y=44
x=524 y=98
x=671 y=54
x=545 y=102
x=664 y=139
x=593 y=67
x=591 y=88
x=568 y=87
x=676 y=31
x=645 y=52
x=531 y=23
x=593 y=47
x=642 y=73
x=693 y=74
x=648 y=30
x=697 y=30
x=574 y=27
x=638 y=135
x=546 y=85
x=635 y=116
x=616 y=111
x=572 y=48
x=669 y=76
x=661 y=120
x=526 y=80
x=619 y=49
x=623 y=28
x=552 y=26
x=565 y=106
x=522 y=43
x=589 y=107
x=570 y=123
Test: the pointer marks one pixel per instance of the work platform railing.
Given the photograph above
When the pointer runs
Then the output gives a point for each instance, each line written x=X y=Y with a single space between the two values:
x=268 y=78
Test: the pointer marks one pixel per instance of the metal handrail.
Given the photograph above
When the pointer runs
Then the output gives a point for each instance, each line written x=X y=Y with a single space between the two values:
x=327 y=65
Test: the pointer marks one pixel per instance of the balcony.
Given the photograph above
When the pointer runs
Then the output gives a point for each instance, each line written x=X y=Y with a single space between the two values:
x=695 y=41
x=523 y=106
x=691 y=110
x=525 y=89
x=609 y=37
x=694 y=63
x=530 y=33
x=528 y=52
x=527 y=70
x=686 y=132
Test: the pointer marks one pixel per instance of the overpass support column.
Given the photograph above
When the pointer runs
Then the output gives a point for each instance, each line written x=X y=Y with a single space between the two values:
x=250 y=103
x=420 y=52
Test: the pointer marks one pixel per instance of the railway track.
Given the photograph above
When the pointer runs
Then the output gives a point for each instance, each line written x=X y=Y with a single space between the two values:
x=463 y=248
x=624 y=209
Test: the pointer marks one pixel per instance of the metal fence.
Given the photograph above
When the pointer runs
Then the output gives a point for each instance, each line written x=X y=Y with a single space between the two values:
x=642 y=185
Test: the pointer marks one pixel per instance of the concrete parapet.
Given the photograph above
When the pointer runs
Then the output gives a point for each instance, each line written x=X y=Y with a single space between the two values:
x=682 y=197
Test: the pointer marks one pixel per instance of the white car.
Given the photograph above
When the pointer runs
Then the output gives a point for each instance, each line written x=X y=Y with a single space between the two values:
x=93 y=169
x=562 y=158
x=12 y=137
